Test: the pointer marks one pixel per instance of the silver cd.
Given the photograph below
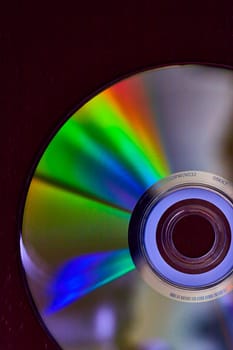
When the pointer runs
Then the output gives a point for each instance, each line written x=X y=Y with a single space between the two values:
x=126 y=239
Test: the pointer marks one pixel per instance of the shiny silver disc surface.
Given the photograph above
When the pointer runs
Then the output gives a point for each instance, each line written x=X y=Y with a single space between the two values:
x=83 y=282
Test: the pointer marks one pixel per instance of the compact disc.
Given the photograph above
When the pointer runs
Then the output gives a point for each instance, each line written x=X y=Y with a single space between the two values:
x=126 y=239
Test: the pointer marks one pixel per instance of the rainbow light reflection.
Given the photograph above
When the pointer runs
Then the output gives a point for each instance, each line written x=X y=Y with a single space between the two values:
x=81 y=275
x=97 y=166
x=109 y=149
x=59 y=224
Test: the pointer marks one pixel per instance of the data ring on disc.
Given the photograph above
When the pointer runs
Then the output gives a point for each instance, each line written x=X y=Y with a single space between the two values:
x=180 y=236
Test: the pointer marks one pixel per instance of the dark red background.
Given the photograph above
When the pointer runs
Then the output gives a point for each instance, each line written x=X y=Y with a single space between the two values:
x=54 y=57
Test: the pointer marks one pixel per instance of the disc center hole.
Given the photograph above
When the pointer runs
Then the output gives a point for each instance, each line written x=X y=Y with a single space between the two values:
x=193 y=236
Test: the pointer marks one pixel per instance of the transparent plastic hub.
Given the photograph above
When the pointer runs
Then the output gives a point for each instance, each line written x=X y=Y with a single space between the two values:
x=180 y=236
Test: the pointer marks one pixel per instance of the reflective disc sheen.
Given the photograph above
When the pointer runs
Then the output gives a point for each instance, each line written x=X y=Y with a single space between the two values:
x=74 y=240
